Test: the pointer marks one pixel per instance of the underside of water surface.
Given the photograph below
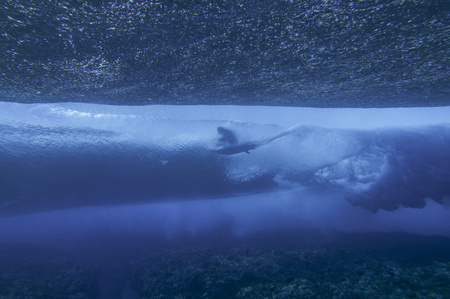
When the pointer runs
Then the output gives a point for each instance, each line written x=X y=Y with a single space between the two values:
x=297 y=53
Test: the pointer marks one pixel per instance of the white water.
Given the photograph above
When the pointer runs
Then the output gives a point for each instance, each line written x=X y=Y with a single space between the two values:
x=347 y=154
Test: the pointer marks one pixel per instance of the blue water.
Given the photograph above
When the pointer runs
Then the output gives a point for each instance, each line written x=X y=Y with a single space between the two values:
x=219 y=149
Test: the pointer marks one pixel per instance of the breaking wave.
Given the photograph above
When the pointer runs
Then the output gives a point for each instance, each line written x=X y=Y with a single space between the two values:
x=62 y=156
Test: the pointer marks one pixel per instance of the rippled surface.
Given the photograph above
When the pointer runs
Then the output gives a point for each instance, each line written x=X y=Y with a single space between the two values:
x=297 y=53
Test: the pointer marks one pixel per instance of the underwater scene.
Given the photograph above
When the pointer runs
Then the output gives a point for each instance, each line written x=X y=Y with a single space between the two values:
x=224 y=149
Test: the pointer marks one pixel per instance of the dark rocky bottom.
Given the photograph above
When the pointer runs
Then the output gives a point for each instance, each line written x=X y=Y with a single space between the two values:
x=275 y=265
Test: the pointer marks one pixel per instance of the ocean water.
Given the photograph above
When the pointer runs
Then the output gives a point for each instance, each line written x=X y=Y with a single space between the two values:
x=217 y=149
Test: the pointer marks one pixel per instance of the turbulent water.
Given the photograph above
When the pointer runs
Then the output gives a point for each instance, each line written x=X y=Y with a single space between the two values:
x=108 y=190
x=59 y=156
